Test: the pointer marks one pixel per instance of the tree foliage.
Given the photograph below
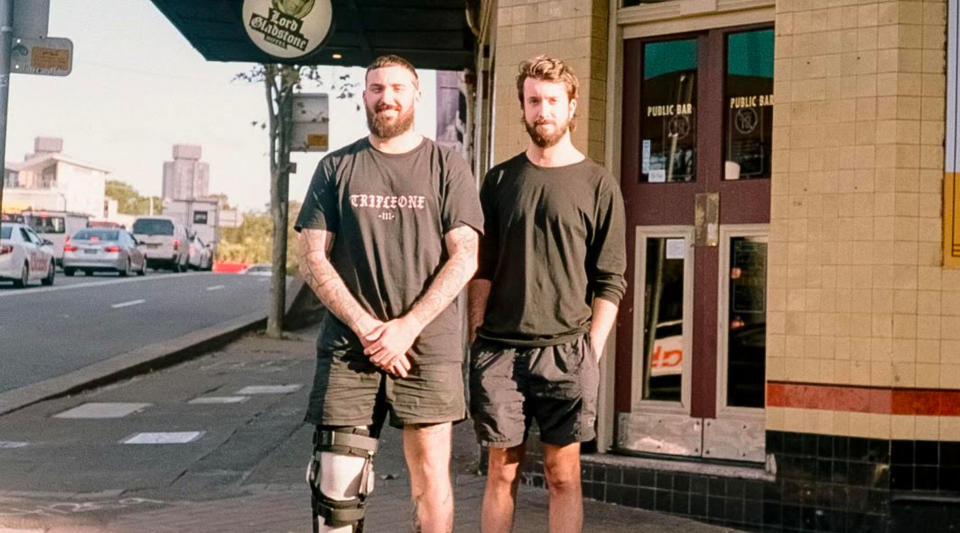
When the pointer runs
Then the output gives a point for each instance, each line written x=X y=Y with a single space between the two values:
x=129 y=200
x=252 y=242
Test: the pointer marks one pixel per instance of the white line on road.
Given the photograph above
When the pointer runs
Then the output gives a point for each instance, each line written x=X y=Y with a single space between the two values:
x=215 y=287
x=35 y=290
x=127 y=304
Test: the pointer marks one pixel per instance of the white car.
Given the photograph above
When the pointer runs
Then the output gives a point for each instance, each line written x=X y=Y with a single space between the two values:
x=25 y=257
x=201 y=254
x=165 y=241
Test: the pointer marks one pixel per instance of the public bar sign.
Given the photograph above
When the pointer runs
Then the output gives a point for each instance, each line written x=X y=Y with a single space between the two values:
x=951 y=177
x=287 y=29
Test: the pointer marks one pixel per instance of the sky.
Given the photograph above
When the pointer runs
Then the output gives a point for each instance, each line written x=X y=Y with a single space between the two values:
x=138 y=87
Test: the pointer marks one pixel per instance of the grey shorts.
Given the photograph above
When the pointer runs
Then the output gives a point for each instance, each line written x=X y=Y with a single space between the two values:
x=349 y=390
x=555 y=385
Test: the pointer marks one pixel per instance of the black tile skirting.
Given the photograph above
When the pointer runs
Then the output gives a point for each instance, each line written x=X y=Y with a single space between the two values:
x=823 y=483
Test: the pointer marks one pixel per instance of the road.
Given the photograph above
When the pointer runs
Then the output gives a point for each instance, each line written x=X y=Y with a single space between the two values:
x=49 y=331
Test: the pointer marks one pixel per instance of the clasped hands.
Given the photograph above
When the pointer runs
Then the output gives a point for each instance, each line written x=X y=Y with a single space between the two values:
x=388 y=344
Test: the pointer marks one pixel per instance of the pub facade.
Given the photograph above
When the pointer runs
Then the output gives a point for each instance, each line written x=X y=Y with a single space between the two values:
x=787 y=357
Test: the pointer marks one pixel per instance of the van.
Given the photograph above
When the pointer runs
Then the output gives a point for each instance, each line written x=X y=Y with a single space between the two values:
x=165 y=242
x=55 y=226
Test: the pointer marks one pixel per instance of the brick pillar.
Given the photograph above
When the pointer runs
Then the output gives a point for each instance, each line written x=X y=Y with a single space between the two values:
x=861 y=312
x=855 y=267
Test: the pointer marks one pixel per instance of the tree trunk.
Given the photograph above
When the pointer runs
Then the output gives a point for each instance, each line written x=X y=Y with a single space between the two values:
x=279 y=190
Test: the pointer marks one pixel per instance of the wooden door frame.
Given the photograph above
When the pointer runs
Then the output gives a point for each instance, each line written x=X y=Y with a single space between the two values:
x=741 y=201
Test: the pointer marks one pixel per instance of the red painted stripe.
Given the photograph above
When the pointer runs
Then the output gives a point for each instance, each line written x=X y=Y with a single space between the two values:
x=860 y=399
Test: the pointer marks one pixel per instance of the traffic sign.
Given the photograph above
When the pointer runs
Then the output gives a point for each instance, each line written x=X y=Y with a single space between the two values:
x=49 y=56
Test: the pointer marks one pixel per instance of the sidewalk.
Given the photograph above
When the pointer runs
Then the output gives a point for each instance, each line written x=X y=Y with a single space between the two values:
x=244 y=475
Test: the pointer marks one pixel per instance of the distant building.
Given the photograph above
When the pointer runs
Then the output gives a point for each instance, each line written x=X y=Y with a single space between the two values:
x=229 y=217
x=49 y=179
x=186 y=177
x=201 y=216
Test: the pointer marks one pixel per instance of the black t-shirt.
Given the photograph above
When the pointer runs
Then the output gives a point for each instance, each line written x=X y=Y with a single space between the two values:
x=553 y=241
x=390 y=213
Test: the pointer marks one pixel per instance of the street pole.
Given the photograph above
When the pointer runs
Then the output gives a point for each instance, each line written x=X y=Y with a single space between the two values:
x=6 y=45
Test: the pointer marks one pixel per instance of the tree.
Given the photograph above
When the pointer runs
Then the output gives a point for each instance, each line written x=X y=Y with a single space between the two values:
x=280 y=83
x=252 y=242
x=129 y=200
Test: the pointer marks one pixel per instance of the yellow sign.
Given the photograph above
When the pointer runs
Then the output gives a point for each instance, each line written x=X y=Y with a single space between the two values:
x=951 y=224
x=319 y=142
x=50 y=59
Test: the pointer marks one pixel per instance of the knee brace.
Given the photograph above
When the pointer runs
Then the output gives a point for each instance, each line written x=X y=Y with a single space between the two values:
x=340 y=475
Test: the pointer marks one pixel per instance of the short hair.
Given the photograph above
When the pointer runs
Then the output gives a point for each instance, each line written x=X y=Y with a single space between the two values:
x=550 y=69
x=391 y=60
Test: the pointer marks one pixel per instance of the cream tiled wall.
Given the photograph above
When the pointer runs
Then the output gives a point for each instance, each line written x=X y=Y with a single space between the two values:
x=867 y=425
x=572 y=30
x=857 y=293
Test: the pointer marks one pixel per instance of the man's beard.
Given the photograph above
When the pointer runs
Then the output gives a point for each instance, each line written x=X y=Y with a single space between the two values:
x=387 y=128
x=545 y=140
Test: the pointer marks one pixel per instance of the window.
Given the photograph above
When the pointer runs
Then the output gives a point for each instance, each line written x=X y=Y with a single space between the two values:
x=153 y=226
x=100 y=234
x=746 y=320
x=668 y=111
x=199 y=217
x=663 y=318
x=11 y=179
x=48 y=177
x=748 y=105
x=46 y=224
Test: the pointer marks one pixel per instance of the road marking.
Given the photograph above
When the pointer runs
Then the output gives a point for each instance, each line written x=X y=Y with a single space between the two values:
x=10 y=444
x=168 y=437
x=220 y=399
x=102 y=410
x=216 y=287
x=156 y=277
x=127 y=304
x=270 y=389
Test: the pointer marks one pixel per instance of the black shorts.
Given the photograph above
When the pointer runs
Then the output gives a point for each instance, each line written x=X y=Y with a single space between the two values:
x=348 y=389
x=555 y=385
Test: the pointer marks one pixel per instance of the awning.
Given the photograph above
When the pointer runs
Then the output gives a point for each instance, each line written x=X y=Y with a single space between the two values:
x=430 y=33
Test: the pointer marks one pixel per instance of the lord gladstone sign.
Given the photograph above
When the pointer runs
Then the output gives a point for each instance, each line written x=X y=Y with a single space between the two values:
x=287 y=28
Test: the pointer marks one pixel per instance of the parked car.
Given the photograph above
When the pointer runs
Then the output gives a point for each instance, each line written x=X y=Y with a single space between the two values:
x=200 y=254
x=103 y=249
x=25 y=257
x=165 y=241
x=259 y=269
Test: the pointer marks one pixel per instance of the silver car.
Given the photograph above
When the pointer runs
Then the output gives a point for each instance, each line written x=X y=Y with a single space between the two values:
x=103 y=249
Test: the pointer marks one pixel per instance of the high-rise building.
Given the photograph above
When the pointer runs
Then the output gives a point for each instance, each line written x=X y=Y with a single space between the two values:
x=186 y=177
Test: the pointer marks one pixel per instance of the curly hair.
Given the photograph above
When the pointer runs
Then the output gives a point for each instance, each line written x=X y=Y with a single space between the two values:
x=550 y=69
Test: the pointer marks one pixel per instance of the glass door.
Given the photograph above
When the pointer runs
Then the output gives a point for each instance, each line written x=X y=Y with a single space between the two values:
x=695 y=176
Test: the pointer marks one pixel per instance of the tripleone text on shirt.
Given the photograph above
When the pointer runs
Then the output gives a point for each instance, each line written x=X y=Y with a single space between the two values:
x=379 y=201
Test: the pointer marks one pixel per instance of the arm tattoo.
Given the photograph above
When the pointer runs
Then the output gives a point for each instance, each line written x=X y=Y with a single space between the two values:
x=319 y=274
x=462 y=243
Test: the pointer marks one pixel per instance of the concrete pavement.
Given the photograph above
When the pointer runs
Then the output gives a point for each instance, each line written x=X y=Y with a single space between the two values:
x=65 y=465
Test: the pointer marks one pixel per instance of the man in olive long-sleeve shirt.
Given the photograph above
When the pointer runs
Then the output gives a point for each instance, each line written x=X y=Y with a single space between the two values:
x=543 y=300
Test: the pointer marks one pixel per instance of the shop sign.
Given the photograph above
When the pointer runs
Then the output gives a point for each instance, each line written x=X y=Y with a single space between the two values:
x=287 y=29
x=951 y=178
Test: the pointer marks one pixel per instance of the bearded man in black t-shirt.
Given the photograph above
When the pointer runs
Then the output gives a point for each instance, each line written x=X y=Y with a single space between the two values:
x=388 y=239
x=543 y=300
